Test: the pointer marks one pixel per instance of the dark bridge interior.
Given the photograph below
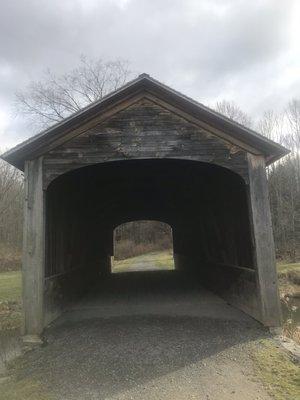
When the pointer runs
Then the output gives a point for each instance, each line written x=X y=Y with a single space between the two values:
x=206 y=206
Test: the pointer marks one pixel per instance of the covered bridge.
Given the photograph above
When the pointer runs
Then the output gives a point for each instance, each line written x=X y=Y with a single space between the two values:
x=147 y=152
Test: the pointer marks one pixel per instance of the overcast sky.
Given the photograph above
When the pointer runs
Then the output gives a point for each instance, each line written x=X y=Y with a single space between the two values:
x=239 y=50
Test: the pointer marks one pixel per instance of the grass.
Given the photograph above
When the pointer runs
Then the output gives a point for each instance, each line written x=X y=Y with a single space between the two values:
x=10 y=286
x=161 y=260
x=280 y=376
x=13 y=388
x=290 y=273
x=289 y=277
x=283 y=268
x=10 y=300
x=289 y=287
x=10 y=258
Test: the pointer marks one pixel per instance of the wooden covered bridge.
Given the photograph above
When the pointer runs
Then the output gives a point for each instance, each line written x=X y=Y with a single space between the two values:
x=147 y=152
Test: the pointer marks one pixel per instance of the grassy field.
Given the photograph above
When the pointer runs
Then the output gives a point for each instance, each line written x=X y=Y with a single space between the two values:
x=289 y=287
x=282 y=268
x=153 y=261
x=10 y=286
x=10 y=259
x=278 y=373
x=10 y=300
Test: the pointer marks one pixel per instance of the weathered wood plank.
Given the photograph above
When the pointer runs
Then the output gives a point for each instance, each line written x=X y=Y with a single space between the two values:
x=263 y=241
x=144 y=130
x=33 y=248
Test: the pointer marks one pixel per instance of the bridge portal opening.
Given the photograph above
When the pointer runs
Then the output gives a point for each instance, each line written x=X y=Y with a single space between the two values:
x=147 y=152
x=205 y=205
x=142 y=246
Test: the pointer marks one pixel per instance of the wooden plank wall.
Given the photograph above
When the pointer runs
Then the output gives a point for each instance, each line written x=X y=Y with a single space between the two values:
x=72 y=249
x=145 y=130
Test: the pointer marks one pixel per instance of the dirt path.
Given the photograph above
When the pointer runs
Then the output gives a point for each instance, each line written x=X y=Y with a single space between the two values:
x=133 y=341
x=154 y=261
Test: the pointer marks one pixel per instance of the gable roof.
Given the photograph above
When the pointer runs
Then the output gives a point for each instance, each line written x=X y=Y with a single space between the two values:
x=143 y=84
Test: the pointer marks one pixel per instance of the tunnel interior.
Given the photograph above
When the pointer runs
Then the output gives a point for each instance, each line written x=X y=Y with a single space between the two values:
x=205 y=205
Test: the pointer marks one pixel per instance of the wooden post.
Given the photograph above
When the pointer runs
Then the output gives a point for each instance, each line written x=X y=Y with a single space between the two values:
x=264 y=249
x=33 y=251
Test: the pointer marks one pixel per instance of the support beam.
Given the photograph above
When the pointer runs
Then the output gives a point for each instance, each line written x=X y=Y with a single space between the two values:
x=33 y=250
x=264 y=250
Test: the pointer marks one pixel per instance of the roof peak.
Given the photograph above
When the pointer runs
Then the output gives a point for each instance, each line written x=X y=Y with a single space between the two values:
x=144 y=75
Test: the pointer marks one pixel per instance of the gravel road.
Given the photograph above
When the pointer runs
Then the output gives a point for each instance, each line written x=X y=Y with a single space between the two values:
x=148 y=341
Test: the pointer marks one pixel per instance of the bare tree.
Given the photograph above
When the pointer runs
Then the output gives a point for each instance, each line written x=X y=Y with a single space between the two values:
x=293 y=117
x=140 y=237
x=11 y=196
x=271 y=125
x=55 y=97
x=232 y=111
x=284 y=179
x=283 y=176
x=46 y=102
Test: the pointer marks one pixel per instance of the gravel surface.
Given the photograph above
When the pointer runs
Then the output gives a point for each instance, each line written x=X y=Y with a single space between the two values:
x=124 y=342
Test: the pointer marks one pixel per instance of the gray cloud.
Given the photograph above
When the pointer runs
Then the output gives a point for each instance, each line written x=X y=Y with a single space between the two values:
x=209 y=49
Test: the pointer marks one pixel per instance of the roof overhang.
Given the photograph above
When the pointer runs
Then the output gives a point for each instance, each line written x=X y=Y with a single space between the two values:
x=144 y=84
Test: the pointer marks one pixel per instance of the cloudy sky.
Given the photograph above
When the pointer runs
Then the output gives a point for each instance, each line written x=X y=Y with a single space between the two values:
x=239 y=50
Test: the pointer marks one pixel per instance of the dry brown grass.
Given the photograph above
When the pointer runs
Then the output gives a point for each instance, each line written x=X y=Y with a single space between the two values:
x=127 y=248
x=289 y=287
x=291 y=327
x=10 y=258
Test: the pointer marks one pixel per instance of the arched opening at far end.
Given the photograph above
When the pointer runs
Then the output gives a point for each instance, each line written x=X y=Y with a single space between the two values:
x=144 y=245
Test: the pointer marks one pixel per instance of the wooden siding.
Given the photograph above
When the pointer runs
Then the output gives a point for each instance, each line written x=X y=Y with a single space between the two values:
x=145 y=130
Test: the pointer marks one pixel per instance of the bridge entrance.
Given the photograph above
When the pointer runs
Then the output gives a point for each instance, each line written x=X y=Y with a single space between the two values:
x=147 y=152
